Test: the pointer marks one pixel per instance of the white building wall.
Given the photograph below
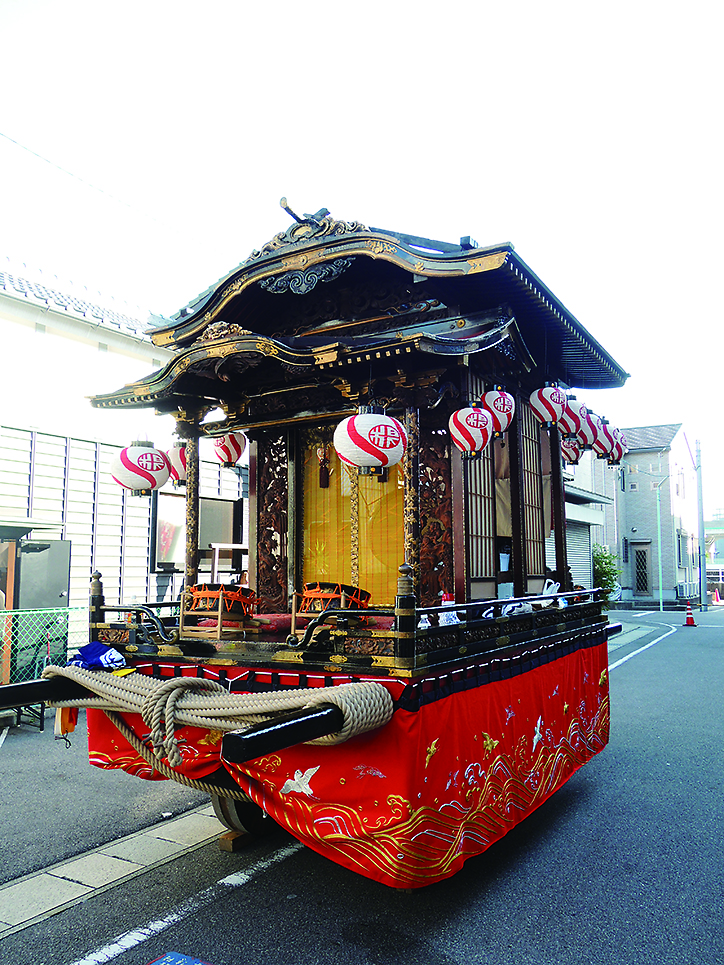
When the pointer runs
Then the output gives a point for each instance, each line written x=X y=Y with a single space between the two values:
x=67 y=483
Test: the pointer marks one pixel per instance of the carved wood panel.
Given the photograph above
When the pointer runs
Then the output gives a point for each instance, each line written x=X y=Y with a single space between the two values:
x=272 y=503
x=436 y=529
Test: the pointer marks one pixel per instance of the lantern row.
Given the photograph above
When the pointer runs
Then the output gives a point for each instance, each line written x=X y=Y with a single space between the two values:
x=142 y=468
x=372 y=441
x=472 y=428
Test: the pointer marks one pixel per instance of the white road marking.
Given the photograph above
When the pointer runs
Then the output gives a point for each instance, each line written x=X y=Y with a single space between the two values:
x=193 y=905
x=3 y=736
x=612 y=666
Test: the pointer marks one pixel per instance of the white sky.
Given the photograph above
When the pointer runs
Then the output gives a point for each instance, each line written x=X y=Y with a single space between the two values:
x=586 y=134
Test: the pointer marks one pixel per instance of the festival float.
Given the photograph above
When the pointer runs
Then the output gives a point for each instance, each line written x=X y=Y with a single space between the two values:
x=404 y=679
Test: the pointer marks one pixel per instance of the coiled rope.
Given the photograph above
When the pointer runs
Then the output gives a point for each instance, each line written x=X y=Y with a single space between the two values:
x=200 y=702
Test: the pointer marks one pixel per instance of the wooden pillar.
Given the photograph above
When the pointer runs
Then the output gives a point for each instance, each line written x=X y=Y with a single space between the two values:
x=558 y=502
x=517 y=506
x=192 y=512
x=253 y=510
x=405 y=617
x=411 y=466
x=295 y=461
x=461 y=567
x=96 y=613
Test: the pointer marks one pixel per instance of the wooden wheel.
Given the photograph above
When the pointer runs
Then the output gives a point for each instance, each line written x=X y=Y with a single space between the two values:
x=245 y=816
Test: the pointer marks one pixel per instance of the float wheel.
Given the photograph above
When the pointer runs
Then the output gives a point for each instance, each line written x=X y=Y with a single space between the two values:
x=244 y=816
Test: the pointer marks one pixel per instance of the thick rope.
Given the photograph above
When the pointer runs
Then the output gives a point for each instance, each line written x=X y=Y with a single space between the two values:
x=168 y=772
x=200 y=702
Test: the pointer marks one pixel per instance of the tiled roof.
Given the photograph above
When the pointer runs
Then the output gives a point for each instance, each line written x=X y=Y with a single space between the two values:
x=72 y=305
x=651 y=437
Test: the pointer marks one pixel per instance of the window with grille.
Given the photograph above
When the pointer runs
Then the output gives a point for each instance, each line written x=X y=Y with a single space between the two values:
x=641 y=565
x=532 y=491
x=480 y=506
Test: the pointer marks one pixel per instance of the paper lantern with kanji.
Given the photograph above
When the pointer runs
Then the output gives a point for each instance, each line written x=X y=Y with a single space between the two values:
x=548 y=404
x=571 y=451
x=140 y=467
x=177 y=463
x=370 y=440
x=501 y=406
x=471 y=429
x=229 y=448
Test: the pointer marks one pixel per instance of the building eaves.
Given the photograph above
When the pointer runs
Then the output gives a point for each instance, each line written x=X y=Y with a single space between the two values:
x=651 y=437
x=24 y=290
x=582 y=496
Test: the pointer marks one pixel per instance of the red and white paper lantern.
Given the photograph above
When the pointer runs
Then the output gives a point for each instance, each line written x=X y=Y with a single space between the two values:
x=586 y=433
x=571 y=451
x=548 y=404
x=620 y=437
x=616 y=454
x=570 y=420
x=140 y=467
x=370 y=440
x=604 y=441
x=471 y=429
x=501 y=406
x=177 y=463
x=229 y=448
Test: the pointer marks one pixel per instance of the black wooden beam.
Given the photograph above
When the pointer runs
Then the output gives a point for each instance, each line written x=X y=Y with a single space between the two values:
x=41 y=692
x=300 y=726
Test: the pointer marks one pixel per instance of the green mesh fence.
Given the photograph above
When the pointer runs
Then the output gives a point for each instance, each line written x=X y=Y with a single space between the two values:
x=31 y=639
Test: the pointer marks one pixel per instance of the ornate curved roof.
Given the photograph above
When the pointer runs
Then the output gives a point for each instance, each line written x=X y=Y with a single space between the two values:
x=328 y=297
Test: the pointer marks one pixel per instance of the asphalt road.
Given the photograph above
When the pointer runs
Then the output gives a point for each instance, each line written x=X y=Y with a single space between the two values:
x=622 y=865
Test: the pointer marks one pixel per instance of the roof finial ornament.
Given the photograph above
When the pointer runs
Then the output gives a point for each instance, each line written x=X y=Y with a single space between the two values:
x=315 y=218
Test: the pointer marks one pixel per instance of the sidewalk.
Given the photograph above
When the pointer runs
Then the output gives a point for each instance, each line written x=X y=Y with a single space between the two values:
x=630 y=629
x=46 y=892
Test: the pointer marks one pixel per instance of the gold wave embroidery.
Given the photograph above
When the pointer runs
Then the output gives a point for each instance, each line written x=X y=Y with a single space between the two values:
x=414 y=845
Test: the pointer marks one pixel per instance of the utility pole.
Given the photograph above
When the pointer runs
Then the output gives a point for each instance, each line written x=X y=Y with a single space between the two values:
x=658 y=530
x=702 y=534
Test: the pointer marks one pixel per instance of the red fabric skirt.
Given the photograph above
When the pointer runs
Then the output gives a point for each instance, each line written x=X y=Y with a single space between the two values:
x=407 y=804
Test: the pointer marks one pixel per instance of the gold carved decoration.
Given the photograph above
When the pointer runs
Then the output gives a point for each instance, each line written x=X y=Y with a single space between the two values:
x=381 y=246
x=220 y=329
x=266 y=348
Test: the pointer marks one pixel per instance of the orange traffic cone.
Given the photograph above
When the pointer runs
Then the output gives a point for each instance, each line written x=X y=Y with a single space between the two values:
x=689 y=616
x=717 y=598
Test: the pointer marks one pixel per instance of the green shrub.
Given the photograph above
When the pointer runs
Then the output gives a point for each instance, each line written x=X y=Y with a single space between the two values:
x=606 y=570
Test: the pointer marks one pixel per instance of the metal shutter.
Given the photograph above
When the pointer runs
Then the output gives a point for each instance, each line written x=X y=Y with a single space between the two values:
x=578 y=549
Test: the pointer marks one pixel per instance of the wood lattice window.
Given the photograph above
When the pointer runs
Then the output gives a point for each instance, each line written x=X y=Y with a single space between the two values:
x=532 y=491
x=480 y=506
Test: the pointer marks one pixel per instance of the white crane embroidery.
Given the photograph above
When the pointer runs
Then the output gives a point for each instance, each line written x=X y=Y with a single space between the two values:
x=538 y=737
x=300 y=782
